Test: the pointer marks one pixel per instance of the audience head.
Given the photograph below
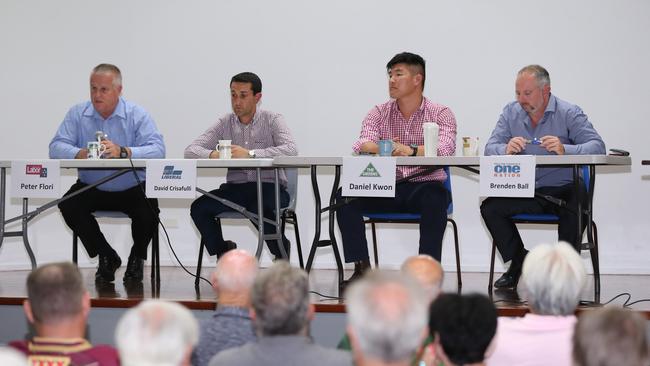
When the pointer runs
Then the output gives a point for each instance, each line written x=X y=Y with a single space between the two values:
x=463 y=327
x=156 y=332
x=11 y=357
x=387 y=316
x=610 y=336
x=415 y=64
x=552 y=278
x=427 y=272
x=234 y=276
x=280 y=301
x=56 y=295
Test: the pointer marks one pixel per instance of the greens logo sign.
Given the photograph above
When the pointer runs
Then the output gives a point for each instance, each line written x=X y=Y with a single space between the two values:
x=370 y=172
x=366 y=176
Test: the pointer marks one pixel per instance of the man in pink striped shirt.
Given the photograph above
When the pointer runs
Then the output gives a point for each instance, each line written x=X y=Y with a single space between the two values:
x=400 y=119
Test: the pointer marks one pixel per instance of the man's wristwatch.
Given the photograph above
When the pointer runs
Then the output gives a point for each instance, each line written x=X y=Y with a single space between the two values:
x=415 y=149
x=251 y=154
x=123 y=152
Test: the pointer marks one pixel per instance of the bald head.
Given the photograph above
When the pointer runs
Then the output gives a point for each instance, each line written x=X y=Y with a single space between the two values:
x=235 y=274
x=426 y=271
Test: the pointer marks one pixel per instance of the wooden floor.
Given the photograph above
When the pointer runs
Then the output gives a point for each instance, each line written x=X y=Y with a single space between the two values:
x=178 y=286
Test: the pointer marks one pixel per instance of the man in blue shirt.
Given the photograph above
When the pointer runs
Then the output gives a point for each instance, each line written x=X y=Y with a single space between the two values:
x=538 y=123
x=127 y=131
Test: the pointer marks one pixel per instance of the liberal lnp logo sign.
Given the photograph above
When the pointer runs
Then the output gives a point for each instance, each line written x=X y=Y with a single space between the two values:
x=170 y=173
x=171 y=178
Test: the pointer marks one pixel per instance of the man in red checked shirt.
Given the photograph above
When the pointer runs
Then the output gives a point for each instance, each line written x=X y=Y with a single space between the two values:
x=400 y=119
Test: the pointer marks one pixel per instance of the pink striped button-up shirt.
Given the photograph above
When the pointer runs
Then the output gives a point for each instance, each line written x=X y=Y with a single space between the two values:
x=385 y=121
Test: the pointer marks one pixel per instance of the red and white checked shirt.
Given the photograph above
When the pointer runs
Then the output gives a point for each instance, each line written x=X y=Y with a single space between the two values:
x=385 y=121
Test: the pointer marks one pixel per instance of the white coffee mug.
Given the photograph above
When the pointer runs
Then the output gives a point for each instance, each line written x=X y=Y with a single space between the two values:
x=470 y=146
x=95 y=150
x=224 y=148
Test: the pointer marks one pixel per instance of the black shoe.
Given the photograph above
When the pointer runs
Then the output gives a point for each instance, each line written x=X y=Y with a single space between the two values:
x=360 y=268
x=511 y=277
x=229 y=245
x=107 y=267
x=134 y=270
x=507 y=280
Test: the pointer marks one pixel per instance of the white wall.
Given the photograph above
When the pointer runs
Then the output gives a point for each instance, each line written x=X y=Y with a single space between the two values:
x=322 y=65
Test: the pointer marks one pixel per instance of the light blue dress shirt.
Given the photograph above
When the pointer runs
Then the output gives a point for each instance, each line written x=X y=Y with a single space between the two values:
x=129 y=125
x=562 y=119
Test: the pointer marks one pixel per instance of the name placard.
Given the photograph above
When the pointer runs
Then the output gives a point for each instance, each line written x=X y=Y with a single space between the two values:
x=507 y=176
x=36 y=179
x=366 y=176
x=171 y=178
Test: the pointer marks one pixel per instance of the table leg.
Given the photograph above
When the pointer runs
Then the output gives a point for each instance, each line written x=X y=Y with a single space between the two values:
x=317 y=243
x=260 y=214
x=278 y=226
x=317 y=223
x=3 y=186
x=332 y=213
x=28 y=247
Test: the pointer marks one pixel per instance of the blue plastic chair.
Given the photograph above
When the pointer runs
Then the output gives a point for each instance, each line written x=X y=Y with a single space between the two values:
x=552 y=219
x=409 y=218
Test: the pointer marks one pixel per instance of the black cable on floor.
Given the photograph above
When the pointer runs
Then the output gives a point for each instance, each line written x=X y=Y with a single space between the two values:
x=325 y=296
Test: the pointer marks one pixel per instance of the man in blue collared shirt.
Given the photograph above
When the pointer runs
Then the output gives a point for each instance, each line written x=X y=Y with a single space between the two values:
x=537 y=123
x=128 y=132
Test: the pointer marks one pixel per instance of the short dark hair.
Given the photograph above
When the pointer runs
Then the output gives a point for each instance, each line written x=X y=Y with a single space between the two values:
x=55 y=291
x=415 y=62
x=248 y=77
x=465 y=326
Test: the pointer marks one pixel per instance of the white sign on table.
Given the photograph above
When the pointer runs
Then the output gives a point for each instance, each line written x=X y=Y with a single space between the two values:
x=366 y=176
x=36 y=179
x=507 y=176
x=171 y=178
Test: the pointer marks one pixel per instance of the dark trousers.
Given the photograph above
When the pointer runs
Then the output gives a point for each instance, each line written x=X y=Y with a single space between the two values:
x=497 y=213
x=429 y=199
x=204 y=209
x=77 y=213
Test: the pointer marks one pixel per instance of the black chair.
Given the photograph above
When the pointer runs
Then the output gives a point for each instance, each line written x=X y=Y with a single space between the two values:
x=551 y=219
x=408 y=218
x=287 y=215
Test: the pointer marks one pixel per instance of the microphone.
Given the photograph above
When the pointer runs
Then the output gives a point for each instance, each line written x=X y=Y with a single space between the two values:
x=100 y=135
